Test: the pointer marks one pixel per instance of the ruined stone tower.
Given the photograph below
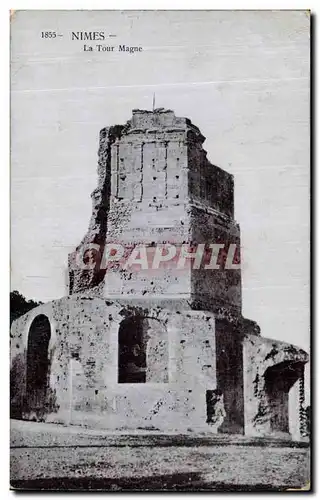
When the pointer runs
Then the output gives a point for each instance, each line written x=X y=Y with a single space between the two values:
x=156 y=186
x=163 y=349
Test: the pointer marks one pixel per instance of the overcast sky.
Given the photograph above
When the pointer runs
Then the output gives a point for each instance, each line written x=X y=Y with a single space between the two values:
x=241 y=77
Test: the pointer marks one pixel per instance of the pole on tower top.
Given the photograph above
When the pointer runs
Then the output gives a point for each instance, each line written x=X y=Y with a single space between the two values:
x=154 y=101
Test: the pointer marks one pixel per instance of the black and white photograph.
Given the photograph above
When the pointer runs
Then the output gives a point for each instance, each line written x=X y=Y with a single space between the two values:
x=160 y=250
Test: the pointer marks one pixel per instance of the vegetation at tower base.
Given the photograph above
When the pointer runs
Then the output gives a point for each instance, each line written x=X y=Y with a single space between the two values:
x=19 y=305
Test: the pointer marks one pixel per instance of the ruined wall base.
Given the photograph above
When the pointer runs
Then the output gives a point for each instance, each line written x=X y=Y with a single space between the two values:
x=205 y=372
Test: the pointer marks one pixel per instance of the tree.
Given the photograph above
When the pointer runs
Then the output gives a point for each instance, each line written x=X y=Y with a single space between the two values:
x=19 y=305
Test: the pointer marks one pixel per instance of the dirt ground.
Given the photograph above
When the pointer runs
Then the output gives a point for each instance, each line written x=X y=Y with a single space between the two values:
x=44 y=456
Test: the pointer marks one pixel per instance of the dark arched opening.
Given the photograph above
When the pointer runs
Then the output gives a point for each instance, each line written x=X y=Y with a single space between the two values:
x=132 y=351
x=143 y=354
x=38 y=363
x=279 y=379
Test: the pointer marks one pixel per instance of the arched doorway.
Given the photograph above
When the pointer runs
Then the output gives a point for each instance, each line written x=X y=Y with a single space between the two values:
x=132 y=351
x=143 y=354
x=38 y=364
x=279 y=379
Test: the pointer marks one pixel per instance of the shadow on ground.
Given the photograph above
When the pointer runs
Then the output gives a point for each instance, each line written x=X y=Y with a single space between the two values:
x=174 y=482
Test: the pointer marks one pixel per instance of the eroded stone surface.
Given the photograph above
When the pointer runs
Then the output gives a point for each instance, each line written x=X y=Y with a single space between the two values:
x=271 y=369
x=165 y=351
x=156 y=185
x=83 y=369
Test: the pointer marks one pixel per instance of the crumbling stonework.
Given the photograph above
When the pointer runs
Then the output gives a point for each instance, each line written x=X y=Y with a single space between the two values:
x=83 y=370
x=79 y=279
x=271 y=369
x=165 y=349
x=156 y=186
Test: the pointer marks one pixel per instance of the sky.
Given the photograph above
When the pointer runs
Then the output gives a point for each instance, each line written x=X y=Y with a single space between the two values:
x=241 y=77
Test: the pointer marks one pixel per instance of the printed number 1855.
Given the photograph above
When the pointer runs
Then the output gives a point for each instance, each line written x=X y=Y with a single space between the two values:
x=48 y=34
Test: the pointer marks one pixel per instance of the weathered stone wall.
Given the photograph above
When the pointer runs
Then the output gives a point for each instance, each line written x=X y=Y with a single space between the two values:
x=229 y=361
x=83 y=367
x=213 y=288
x=200 y=374
x=209 y=184
x=271 y=368
x=156 y=185
x=149 y=190
x=84 y=279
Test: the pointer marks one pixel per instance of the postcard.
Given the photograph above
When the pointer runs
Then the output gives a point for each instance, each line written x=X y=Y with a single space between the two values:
x=160 y=250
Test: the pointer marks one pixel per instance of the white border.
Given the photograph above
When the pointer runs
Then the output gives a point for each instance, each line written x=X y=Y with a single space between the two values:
x=4 y=170
x=165 y=5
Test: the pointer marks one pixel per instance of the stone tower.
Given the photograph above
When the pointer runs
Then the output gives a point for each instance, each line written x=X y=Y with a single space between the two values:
x=156 y=186
x=154 y=348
